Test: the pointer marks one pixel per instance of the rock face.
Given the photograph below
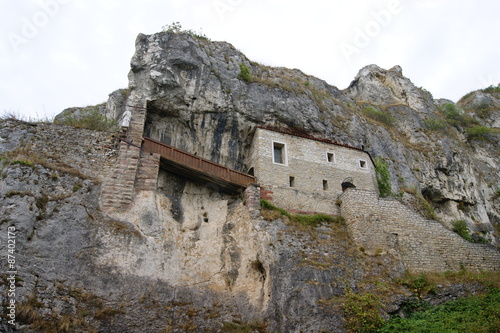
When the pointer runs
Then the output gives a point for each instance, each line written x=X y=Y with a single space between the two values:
x=182 y=258
x=199 y=102
x=186 y=257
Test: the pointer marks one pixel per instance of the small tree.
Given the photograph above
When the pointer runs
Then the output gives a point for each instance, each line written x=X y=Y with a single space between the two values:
x=383 y=177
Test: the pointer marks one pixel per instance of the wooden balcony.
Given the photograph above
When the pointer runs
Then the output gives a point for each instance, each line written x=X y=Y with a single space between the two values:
x=197 y=168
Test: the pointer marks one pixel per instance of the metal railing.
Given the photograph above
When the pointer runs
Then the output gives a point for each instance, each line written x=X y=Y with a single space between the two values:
x=198 y=164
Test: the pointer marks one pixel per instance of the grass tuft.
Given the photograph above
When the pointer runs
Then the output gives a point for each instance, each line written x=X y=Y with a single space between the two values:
x=379 y=116
x=90 y=118
x=245 y=74
x=271 y=212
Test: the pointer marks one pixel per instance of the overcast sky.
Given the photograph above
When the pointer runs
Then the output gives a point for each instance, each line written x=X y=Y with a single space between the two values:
x=62 y=53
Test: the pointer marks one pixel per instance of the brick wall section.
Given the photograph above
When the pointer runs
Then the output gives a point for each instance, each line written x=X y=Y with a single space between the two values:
x=118 y=190
x=424 y=245
x=252 y=198
x=266 y=194
x=147 y=173
x=134 y=170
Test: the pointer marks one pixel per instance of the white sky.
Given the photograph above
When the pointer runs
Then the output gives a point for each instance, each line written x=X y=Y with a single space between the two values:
x=61 y=53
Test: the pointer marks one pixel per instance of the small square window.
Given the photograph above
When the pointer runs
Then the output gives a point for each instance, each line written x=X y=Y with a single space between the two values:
x=325 y=185
x=292 y=181
x=362 y=164
x=330 y=157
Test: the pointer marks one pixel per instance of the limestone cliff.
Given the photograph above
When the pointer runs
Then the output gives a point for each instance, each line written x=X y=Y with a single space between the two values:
x=199 y=102
x=188 y=258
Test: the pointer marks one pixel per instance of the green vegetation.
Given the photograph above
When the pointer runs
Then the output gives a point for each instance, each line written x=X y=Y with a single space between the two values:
x=383 y=177
x=269 y=206
x=245 y=74
x=479 y=132
x=420 y=285
x=434 y=123
x=492 y=89
x=460 y=227
x=472 y=314
x=454 y=116
x=427 y=207
x=316 y=219
x=26 y=155
x=90 y=118
x=378 y=115
x=23 y=163
x=483 y=110
x=426 y=92
x=176 y=27
x=10 y=115
x=361 y=312
x=496 y=195
x=271 y=212
x=240 y=327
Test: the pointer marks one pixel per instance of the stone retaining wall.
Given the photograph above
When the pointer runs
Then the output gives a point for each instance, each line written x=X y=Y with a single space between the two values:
x=379 y=224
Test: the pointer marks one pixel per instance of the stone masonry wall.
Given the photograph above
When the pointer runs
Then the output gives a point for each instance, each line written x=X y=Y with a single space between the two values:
x=316 y=181
x=379 y=224
x=252 y=199
x=134 y=170
x=147 y=173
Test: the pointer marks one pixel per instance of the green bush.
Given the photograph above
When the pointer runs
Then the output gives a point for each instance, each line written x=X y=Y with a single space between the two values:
x=90 y=119
x=492 y=89
x=383 y=177
x=378 y=115
x=450 y=111
x=460 y=227
x=245 y=74
x=479 y=132
x=361 y=313
x=483 y=110
x=454 y=116
x=434 y=123
x=475 y=314
x=420 y=285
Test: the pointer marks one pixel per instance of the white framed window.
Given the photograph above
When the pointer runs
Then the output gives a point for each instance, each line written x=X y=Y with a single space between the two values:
x=330 y=157
x=279 y=153
x=362 y=164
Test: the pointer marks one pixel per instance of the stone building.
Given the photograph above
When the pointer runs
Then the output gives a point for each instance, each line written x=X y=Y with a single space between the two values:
x=301 y=173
